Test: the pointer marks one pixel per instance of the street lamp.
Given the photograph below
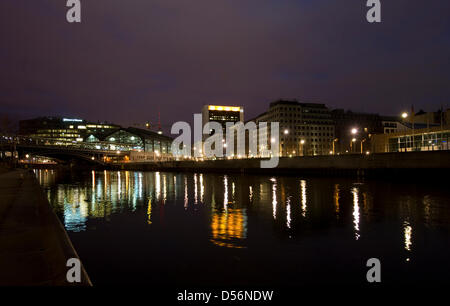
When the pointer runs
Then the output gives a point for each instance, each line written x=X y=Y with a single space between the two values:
x=302 y=142
x=404 y=116
x=334 y=140
x=353 y=131
x=362 y=141
x=351 y=144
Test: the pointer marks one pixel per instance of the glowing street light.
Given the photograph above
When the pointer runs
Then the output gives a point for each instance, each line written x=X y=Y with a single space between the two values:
x=302 y=142
x=334 y=140
x=351 y=144
x=286 y=132
x=354 y=131
x=404 y=115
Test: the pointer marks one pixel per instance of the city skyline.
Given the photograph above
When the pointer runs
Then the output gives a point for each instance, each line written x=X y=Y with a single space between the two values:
x=126 y=65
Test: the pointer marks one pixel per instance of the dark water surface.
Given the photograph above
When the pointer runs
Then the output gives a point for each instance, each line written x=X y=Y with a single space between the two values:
x=209 y=229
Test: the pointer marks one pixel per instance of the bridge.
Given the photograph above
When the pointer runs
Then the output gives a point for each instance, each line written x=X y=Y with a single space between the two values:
x=95 y=152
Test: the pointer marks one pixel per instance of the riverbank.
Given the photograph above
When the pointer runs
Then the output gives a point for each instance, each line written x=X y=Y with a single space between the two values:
x=407 y=165
x=34 y=246
x=372 y=165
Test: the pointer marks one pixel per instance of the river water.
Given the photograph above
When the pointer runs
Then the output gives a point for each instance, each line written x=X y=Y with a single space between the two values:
x=194 y=229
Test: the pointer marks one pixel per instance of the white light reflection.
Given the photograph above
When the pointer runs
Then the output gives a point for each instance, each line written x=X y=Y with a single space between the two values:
x=158 y=185
x=93 y=181
x=140 y=175
x=250 y=193
x=407 y=229
x=225 y=194
x=274 y=197
x=304 y=200
x=288 y=212
x=164 y=188
x=127 y=183
x=233 y=187
x=93 y=191
x=195 y=189
x=106 y=181
x=356 y=215
x=186 y=198
x=202 y=188
x=119 y=186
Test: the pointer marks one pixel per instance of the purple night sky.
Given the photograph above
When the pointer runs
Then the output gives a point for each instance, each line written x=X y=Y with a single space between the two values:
x=129 y=58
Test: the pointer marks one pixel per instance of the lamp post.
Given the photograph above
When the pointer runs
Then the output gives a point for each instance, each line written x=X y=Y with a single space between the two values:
x=351 y=144
x=334 y=140
x=285 y=132
x=404 y=116
x=353 y=131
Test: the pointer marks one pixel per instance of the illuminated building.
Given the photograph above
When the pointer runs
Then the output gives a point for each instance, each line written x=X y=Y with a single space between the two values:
x=421 y=138
x=222 y=114
x=131 y=138
x=64 y=129
x=305 y=128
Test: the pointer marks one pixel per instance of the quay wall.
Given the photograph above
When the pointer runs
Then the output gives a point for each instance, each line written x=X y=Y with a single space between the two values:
x=350 y=164
x=34 y=245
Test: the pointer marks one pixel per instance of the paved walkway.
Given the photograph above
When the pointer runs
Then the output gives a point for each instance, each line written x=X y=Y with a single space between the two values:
x=34 y=246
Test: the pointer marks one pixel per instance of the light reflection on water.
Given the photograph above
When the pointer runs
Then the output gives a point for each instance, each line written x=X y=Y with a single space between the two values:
x=236 y=209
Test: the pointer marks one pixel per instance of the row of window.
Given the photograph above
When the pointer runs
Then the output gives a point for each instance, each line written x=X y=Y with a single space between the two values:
x=325 y=140
x=312 y=134
x=299 y=108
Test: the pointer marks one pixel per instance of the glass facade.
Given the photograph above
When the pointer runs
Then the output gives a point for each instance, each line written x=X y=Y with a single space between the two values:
x=420 y=142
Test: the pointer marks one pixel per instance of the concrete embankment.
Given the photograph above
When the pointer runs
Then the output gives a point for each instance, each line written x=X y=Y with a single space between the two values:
x=34 y=246
x=350 y=164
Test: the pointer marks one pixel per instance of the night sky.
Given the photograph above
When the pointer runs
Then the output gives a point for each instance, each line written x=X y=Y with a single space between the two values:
x=130 y=58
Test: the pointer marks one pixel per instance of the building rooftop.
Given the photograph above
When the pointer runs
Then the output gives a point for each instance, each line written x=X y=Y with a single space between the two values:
x=138 y=132
x=295 y=102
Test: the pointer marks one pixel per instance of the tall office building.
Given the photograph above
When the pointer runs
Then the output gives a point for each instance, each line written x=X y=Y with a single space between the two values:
x=222 y=115
x=305 y=128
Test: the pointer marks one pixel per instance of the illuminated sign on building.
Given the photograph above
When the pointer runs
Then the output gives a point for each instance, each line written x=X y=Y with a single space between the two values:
x=72 y=120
